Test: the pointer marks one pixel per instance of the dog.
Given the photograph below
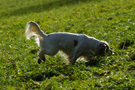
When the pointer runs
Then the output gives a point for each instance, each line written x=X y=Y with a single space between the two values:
x=74 y=45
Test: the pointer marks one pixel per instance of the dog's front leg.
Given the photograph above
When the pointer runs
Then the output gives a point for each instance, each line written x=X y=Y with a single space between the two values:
x=74 y=56
x=41 y=56
x=72 y=59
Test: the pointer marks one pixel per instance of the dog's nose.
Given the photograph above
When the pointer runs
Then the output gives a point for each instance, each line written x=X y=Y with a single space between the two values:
x=110 y=52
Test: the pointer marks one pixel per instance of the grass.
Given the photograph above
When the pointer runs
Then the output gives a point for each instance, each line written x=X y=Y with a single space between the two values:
x=109 y=20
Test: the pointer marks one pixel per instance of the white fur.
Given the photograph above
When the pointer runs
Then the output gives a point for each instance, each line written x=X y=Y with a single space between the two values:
x=74 y=45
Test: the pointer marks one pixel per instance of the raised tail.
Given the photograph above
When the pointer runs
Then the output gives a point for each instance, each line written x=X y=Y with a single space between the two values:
x=32 y=29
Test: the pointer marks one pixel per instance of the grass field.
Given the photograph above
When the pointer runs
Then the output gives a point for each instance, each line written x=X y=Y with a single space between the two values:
x=109 y=20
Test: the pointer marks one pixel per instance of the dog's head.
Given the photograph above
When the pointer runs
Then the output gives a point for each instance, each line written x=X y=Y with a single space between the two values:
x=103 y=49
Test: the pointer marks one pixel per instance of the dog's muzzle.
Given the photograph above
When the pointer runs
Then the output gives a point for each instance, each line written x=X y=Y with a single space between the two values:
x=110 y=52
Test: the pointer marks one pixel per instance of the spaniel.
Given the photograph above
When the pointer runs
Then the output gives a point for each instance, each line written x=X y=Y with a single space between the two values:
x=74 y=45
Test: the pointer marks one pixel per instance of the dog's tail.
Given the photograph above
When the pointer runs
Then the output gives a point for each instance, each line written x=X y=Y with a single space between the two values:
x=32 y=29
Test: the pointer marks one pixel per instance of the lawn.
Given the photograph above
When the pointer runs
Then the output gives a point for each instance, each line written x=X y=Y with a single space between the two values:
x=108 y=20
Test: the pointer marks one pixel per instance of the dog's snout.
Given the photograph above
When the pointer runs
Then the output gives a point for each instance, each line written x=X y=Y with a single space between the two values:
x=110 y=52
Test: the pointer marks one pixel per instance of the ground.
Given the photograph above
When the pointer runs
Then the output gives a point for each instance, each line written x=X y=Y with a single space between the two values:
x=108 y=20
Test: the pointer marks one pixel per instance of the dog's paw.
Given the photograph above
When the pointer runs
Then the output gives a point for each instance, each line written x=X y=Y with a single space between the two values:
x=39 y=61
x=44 y=58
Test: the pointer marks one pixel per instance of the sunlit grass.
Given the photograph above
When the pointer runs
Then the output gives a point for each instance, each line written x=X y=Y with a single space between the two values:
x=109 y=20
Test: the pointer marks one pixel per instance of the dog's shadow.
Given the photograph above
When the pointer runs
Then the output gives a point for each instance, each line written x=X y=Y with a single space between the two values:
x=58 y=70
x=94 y=62
x=39 y=76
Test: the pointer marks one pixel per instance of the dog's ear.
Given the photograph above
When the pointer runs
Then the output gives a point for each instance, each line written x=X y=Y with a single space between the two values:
x=102 y=49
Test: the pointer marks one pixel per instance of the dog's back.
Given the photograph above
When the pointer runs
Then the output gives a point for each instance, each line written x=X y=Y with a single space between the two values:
x=63 y=41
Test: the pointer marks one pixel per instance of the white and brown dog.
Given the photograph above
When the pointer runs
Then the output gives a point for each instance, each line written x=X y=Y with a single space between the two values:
x=74 y=45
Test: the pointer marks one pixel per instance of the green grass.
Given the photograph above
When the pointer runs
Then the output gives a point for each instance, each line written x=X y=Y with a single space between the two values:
x=109 y=20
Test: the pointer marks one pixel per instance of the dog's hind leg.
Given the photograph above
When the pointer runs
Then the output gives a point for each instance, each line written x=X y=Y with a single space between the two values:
x=41 y=56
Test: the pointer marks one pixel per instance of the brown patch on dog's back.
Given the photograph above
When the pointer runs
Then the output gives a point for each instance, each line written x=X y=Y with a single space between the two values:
x=75 y=42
